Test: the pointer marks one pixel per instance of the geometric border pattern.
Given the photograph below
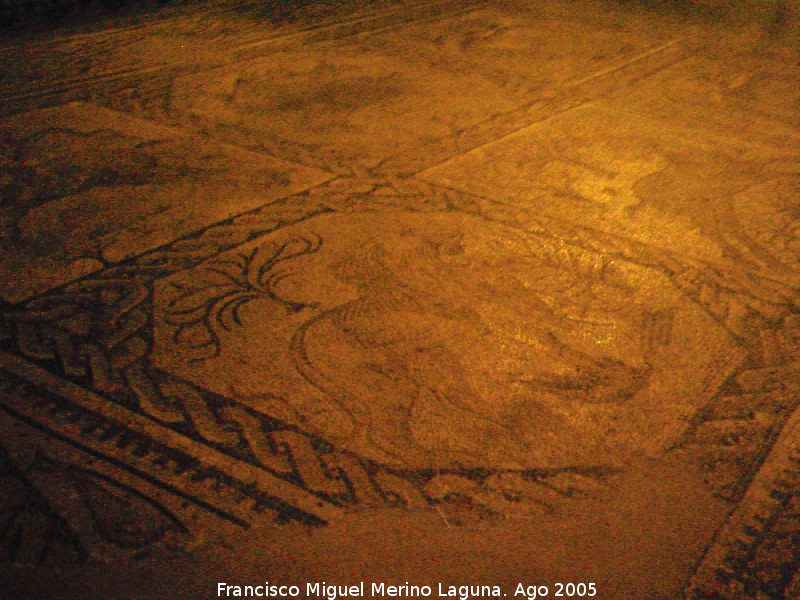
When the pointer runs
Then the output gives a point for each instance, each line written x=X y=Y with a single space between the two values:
x=87 y=348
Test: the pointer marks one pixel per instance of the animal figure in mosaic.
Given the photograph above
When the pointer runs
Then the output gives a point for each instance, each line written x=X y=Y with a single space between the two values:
x=414 y=359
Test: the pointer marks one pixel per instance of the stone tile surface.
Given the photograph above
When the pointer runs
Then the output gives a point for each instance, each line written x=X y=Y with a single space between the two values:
x=349 y=105
x=88 y=187
x=497 y=291
x=656 y=181
x=423 y=340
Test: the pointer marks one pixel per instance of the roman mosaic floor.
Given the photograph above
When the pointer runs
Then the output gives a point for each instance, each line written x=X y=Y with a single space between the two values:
x=429 y=291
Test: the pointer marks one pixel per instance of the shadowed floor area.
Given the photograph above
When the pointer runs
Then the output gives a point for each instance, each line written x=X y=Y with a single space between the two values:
x=501 y=294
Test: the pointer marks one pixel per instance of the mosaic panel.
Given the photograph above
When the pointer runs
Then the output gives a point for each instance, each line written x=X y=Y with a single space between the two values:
x=84 y=187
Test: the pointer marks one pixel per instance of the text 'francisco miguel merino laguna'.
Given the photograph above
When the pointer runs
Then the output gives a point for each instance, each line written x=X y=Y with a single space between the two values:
x=324 y=590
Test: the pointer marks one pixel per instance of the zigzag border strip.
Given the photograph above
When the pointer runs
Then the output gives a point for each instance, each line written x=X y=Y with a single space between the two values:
x=220 y=483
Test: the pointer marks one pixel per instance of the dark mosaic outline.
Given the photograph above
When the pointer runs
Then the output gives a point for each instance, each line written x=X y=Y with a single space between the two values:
x=96 y=333
x=757 y=553
x=724 y=436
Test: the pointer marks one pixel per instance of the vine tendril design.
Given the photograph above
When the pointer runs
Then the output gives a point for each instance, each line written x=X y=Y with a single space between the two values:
x=212 y=301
